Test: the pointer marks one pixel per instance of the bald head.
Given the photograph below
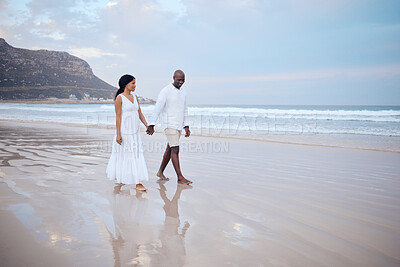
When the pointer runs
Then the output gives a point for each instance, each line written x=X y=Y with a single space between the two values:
x=179 y=78
x=179 y=72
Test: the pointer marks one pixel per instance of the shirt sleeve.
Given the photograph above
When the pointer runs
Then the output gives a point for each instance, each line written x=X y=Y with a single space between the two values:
x=160 y=104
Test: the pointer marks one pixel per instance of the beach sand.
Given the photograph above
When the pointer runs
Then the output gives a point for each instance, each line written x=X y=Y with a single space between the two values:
x=252 y=203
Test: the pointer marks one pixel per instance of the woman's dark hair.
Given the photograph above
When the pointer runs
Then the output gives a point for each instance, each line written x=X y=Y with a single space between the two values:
x=123 y=81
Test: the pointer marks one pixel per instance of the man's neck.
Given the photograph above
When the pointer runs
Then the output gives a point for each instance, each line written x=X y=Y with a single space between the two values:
x=175 y=86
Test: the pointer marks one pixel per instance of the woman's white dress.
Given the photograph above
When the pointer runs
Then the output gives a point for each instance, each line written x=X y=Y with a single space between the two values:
x=127 y=164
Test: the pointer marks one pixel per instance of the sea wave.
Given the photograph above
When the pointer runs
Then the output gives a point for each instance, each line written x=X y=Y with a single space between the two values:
x=339 y=115
x=51 y=108
x=258 y=111
x=254 y=120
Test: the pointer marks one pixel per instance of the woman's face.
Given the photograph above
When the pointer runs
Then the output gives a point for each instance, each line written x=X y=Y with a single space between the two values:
x=131 y=86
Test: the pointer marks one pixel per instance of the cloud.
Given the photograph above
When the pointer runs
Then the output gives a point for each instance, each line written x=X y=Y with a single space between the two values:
x=113 y=65
x=48 y=28
x=377 y=71
x=3 y=4
x=3 y=33
x=91 y=52
x=111 y=4
x=235 y=43
x=55 y=35
x=174 y=6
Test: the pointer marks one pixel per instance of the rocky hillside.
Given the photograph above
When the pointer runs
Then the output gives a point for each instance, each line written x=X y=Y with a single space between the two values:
x=32 y=74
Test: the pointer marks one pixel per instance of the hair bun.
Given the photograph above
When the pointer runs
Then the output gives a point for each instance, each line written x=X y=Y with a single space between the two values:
x=123 y=81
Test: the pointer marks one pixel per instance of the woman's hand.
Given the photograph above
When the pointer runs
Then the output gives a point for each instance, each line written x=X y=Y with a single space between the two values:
x=119 y=139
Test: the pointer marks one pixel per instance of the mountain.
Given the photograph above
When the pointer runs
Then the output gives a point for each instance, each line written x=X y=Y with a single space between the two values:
x=34 y=74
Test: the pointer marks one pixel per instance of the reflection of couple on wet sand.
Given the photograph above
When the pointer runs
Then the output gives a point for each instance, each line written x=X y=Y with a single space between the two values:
x=172 y=249
x=135 y=243
x=127 y=164
x=128 y=213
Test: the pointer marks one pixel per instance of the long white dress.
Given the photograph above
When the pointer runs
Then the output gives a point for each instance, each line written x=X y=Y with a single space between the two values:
x=127 y=164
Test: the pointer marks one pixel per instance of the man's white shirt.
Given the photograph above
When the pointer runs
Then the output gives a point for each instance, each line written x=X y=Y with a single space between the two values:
x=171 y=107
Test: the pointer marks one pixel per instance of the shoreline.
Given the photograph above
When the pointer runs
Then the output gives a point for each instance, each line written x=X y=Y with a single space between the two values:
x=345 y=141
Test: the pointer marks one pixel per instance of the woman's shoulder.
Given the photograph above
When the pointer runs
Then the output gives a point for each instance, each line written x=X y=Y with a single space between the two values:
x=119 y=98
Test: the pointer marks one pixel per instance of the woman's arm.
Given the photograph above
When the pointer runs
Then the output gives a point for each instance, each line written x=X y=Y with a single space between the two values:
x=141 y=116
x=118 y=108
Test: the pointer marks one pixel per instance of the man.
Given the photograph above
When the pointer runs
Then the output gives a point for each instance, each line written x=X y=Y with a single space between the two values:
x=171 y=106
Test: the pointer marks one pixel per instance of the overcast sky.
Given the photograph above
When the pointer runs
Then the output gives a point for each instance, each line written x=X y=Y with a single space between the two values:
x=232 y=51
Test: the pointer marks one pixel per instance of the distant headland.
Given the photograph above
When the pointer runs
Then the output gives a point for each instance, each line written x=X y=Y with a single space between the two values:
x=42 y=76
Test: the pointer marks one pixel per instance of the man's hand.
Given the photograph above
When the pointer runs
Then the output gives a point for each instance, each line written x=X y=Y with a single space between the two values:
x=150 y=130
x=187 y=131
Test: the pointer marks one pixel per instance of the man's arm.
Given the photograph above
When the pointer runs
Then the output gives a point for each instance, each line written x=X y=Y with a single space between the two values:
x=185 y=120
x=160 y=104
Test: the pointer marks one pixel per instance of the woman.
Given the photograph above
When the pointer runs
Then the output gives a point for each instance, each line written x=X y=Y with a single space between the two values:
x=127 y=164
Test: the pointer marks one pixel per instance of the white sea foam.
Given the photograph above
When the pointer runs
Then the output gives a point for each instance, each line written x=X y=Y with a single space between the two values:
x=240 y=110
x=341 y=115
x=50 y=108
x=251 y=120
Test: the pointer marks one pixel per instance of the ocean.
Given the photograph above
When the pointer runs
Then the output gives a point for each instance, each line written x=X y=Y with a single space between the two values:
x=244 y=121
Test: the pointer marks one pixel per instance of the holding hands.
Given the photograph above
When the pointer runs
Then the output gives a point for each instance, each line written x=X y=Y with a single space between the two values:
x=150 y=130
x=187 y=131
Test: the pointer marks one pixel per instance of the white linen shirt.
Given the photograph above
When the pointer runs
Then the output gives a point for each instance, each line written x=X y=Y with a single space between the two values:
x=171 y=107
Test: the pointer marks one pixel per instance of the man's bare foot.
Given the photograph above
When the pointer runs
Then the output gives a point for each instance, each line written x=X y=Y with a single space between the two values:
x=183 y=180
x=162 y=176
x=185 y=186
x=161 y=181
x=141 y=188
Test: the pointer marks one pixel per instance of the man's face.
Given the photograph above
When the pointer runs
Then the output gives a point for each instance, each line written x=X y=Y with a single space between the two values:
x=179 y=79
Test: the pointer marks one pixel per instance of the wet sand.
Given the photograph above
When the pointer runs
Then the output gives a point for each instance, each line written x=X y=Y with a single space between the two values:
x=252 y=203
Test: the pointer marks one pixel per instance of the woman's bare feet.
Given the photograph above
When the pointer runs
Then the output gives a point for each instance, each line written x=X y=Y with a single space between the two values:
x=183 y=180
x=162 y=176
x=117 y=189
x=141 y=188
